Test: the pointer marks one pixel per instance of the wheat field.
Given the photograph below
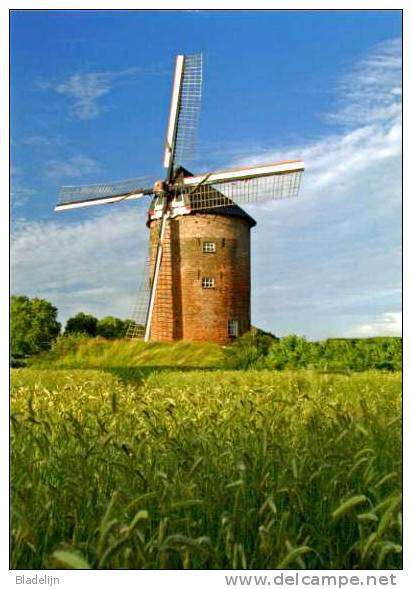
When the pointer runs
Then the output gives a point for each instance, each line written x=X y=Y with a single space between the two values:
x=207 y=469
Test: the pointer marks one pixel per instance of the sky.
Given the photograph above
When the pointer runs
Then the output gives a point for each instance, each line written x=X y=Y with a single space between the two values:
x=90 y=96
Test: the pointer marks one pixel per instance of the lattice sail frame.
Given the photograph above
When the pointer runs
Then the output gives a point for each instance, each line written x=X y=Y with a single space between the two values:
x=137 y=325
x=104 y=193
x=189 y=110
x=181 y=133
x=242 y=185
x=244 y=191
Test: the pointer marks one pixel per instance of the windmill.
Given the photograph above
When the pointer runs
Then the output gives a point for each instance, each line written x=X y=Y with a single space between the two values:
x=191 y=216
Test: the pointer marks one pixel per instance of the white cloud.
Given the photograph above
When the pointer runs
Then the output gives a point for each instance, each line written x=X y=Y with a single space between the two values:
x=74 y=166
x=387 y=324
x=372 y=90
x=37 y=141
x=20 y=194
x=85 y=90
x=336 y=250
x=93 y=265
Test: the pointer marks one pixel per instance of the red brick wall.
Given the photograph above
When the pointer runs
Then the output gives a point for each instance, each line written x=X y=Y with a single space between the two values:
x=185 y=310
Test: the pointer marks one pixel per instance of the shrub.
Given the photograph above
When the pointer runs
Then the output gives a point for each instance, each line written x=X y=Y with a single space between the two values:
x=248 y=351
x=291 y=352
x=260 y=350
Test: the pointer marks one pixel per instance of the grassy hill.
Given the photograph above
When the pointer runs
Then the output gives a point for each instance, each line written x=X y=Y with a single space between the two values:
x=250 y=351
x=83 y=352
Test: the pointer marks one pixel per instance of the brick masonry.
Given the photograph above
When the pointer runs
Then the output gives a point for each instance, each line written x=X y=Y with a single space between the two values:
x=185 y=310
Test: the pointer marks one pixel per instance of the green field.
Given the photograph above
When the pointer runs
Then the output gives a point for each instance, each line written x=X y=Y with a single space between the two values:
x=131 y=466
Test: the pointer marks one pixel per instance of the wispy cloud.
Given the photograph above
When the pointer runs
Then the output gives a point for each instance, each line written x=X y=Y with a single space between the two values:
x=74 y=166
x=20 y=194
x=90 y=265
x=386 y=324
x=372 y=90
x=85 y=90
x=37 y=141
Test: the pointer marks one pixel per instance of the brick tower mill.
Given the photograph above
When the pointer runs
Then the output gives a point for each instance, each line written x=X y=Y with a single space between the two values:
x=203 y=290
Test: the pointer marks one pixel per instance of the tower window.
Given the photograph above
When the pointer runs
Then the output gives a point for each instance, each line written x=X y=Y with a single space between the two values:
x=209 y=247
x=208 y=282
x=233 y=328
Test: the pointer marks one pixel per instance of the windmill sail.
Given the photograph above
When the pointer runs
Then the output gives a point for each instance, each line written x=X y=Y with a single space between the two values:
x=242 y=185
x=191 y=95
x=180 y=143
x=137 y=325
x=184 y=111
x=72 y=197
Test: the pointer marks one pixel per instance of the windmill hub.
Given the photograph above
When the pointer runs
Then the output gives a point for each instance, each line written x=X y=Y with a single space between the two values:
x=167 y=200
x=198 y=286
x=160 y=188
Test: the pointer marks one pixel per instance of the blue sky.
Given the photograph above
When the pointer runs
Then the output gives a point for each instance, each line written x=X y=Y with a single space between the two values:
x=90 y=93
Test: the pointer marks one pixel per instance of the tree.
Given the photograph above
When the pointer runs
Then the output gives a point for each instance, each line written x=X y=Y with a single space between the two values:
x=82 y=323
x=111 y=327
x=33 y=325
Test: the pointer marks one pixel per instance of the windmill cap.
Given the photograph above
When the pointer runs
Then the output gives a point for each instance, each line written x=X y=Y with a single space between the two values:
x=228 y=211
x=232 y=210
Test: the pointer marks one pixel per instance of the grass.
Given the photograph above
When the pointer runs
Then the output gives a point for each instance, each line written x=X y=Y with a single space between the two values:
x=83 y=352
x=203 y=468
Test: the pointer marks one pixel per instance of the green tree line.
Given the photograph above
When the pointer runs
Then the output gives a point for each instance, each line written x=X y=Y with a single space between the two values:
x=34 y=327
x=257 y=350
